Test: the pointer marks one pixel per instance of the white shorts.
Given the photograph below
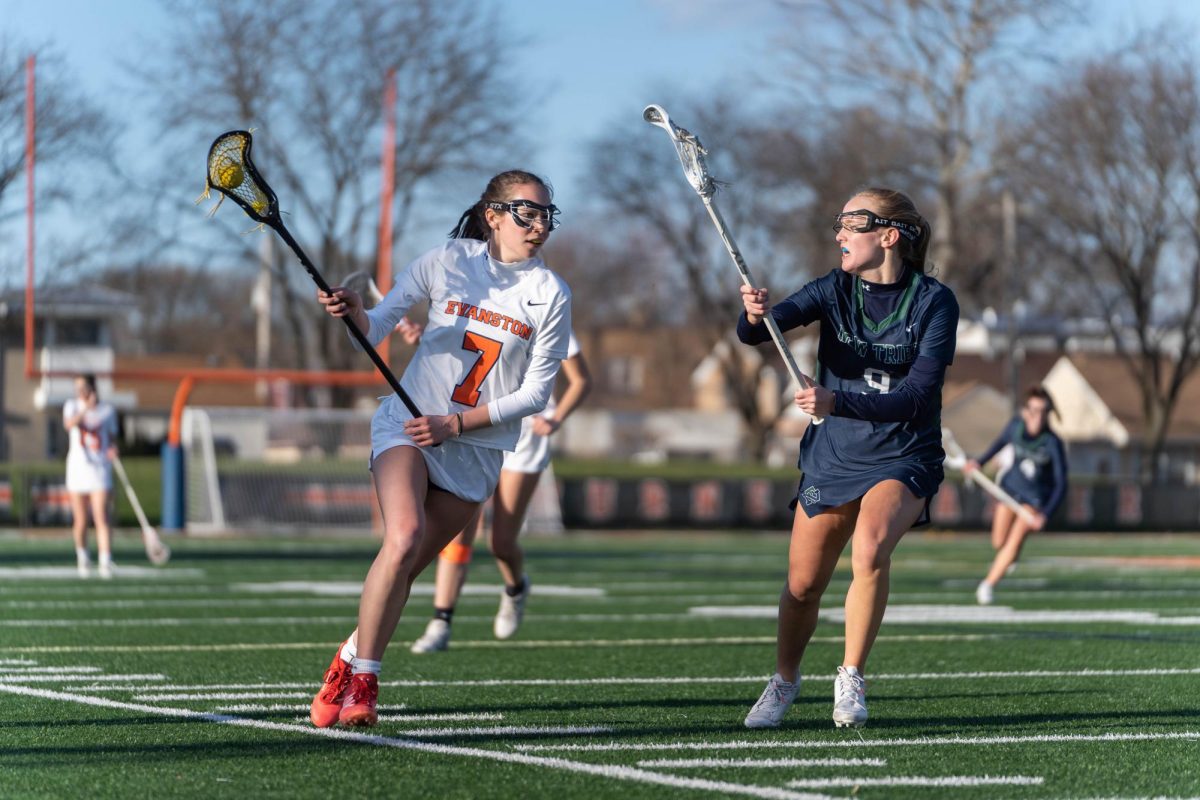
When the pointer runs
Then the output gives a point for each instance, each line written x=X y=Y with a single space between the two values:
x=533 y=452
x=85 y=476
x=466 y=471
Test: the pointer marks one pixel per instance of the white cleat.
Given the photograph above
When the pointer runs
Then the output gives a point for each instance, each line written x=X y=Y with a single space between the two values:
x=84 y=567
x=435 y=639
x=511 y=612
x=774 y=702
x=983 y=593
x=849 y=699
x=106 y=570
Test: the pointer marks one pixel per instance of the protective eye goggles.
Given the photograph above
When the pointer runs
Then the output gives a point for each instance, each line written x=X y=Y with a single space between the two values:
x=526 y=212
x=862 y=220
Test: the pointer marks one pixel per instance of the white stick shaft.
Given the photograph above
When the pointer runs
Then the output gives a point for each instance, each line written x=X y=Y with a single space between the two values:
x=955 y=451
x=133 y=500
x=992 y=488
x=744 y=271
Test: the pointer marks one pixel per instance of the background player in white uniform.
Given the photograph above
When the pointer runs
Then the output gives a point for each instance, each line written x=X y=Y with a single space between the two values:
x=518 y=479
x=498 y=326
x=92 y=431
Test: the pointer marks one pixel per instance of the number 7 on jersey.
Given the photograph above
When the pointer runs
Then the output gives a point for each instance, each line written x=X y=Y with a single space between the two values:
x=467 y=392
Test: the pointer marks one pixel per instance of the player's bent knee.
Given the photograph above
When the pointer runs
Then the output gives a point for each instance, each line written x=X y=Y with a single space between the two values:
x=869 y=561
x=802 y=591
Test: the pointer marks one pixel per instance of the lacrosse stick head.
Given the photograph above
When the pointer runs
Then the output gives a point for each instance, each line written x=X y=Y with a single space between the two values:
x=691 y=153
x=158 y=553
x=232 y=173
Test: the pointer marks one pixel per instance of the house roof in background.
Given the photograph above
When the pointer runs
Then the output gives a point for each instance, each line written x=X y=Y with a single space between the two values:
x=72 y=300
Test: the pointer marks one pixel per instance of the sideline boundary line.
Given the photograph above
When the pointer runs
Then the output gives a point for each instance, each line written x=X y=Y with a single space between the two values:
x=922 y=741
x=603 y=770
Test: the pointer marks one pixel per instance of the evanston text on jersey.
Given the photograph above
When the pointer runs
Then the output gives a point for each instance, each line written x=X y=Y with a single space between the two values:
x=493 y=318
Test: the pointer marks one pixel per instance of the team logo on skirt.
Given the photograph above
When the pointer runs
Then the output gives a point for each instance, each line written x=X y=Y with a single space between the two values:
x=812 y=495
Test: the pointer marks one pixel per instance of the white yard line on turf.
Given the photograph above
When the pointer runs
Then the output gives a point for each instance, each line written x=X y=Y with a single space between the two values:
x=1048 y=594
x=483 y=716
x=92 y=678
x=602 y=770
x=920 y=780
x=71 y=573
x=354 y=589
x=465 y=716
x=934 y=614
x=185 y=602
x=247 y=708
x=6 y=670
x=210 y=691
x=175 y=622
x=761 y=763
x=511 y=730
x=14 y=662
x=488 y=644
x=922 y=741
x=899 y=615
x=209 y=696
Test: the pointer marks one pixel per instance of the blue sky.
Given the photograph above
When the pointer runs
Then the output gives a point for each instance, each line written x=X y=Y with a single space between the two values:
x=605 y=60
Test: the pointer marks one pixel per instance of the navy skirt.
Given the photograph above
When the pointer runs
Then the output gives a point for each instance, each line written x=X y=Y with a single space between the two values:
x=819 y=493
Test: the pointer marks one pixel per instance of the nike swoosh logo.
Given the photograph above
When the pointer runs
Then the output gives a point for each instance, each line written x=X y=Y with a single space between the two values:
x=530 y=302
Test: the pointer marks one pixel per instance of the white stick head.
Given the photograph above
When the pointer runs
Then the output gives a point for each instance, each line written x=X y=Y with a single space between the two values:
x=657 y=115
x=691 y=153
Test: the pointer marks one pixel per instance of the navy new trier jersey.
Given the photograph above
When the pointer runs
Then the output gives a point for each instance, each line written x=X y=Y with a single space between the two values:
x=843 y=458
x=1038 y=475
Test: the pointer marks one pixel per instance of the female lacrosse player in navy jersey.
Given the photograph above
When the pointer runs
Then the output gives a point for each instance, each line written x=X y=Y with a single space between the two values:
x=1037 y=480
x=870 y=470
x=498 y=326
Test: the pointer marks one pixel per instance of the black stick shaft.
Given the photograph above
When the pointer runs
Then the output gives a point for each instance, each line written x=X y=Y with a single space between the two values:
x=358 y=335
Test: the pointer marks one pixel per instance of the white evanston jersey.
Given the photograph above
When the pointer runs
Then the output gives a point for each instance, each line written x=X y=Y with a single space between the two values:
x=486 y=322
x=88 y=469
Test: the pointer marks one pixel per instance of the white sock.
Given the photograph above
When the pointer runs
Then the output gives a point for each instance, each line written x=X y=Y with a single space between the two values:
x=81 y=555
x=349 y=650
x=106 y=558
x=852 y=671
x=361 y=665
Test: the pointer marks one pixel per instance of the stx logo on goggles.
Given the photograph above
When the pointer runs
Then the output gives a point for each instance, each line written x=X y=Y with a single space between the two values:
x=862 y=220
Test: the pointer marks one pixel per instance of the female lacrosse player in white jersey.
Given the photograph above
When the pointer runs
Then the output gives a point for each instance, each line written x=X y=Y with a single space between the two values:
x=518 y=479
x=498 y=326
x=91 y=430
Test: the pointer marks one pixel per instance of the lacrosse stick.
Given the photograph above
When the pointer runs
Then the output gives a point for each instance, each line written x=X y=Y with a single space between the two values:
x=156 y=550
x=691 y=155
x=957 y=459
x=233 y=174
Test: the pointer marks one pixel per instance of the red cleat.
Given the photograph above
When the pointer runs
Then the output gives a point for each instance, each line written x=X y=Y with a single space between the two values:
x=328 y=703
x=358 y=710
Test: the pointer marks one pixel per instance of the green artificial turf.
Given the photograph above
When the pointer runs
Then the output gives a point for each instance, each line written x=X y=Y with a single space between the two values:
x=979 y=693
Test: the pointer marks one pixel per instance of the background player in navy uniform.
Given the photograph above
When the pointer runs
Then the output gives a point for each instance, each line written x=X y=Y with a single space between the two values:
x=1037 y=479
x=869 y=472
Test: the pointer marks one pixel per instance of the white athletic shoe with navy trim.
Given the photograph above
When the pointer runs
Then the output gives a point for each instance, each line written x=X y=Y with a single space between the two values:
x=849 y=698
x=774 y=702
